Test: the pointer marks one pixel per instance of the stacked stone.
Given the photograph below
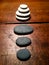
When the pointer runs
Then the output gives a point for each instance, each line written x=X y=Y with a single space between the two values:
x=23 y=14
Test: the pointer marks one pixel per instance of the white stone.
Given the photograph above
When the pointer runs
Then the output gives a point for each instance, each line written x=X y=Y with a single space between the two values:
x=23 y=10
x=22 y=14
x=24 y=6
x=20 y=18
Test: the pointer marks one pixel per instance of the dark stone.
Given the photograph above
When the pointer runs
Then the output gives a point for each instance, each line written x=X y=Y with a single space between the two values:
x=23 y=41
x=23 y=55
x=23 y=29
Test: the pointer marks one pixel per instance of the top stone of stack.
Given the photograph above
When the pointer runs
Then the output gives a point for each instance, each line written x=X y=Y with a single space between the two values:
x=23 y=6
x=23 y=13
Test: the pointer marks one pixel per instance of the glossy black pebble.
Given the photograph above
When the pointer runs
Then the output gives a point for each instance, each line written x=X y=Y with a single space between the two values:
x=23 y=54
x=23 y=29
x=23 y=41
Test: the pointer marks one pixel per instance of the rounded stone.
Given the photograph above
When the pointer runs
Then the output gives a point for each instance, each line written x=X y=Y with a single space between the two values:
x=23 y=54
x=23 y=6
x=23 y=10
x=23 y=29
x=23 y=41
x=22 y=18
x=22 y=14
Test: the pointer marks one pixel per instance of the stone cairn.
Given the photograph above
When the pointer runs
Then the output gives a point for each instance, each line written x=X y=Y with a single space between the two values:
x=23 y=14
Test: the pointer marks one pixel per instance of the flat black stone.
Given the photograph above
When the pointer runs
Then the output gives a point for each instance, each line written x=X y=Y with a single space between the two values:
x=23 y=54
x=23 y=41
x=23 y=29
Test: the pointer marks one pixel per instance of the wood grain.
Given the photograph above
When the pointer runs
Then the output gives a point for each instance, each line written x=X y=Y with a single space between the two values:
x=39 y=47
x=24 y=0
x=39 y=11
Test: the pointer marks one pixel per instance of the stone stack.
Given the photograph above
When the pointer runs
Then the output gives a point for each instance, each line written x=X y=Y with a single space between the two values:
x=23 y=14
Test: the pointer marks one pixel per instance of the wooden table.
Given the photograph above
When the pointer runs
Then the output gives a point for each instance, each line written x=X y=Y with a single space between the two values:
x=39 y=47
x=39 y=11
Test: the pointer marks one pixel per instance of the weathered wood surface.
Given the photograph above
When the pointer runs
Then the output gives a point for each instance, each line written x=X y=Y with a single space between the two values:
x=39 y=47
x=39 y=11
